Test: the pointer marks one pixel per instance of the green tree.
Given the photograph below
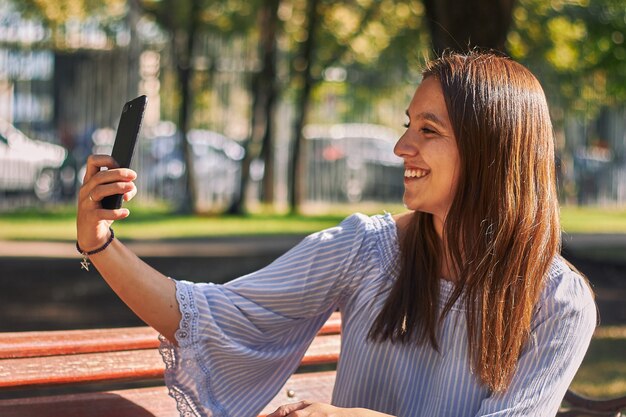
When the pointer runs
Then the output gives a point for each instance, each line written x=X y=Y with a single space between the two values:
x=577 y=48
x=185 y=21
x=182 y=21
x=264 y=92
x=57 y=14
x=346 y=34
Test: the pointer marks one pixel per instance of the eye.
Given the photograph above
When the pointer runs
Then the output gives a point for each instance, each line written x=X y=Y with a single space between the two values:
x=427 y=131
x=407 y=123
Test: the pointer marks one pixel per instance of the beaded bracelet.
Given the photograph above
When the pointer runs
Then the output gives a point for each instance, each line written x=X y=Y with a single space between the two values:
x=85 y=263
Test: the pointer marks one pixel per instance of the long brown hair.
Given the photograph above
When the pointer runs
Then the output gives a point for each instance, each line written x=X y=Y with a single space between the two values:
x=502 y=230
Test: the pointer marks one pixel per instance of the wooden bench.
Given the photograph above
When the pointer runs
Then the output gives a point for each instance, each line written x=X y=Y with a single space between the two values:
x=74 y=361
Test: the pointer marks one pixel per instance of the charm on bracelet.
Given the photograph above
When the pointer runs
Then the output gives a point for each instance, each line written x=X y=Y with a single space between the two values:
x=85 y=262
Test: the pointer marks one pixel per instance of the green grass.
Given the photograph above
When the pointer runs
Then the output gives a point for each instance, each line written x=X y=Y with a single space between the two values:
x=593 y=220
x=603 y=371
x=59 y=224
x=157 y=222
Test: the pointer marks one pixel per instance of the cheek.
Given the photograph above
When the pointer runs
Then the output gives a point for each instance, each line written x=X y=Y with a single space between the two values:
x=456 y=173
x=451 y=166
x=455 y=178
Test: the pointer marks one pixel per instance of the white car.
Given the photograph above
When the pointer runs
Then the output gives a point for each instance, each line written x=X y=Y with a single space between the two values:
x=28 y=165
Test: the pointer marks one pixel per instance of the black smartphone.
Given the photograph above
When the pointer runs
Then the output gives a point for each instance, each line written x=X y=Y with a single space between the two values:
x=125 y=139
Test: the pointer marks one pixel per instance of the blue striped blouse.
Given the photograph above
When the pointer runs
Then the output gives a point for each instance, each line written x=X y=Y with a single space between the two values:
x=239 y=342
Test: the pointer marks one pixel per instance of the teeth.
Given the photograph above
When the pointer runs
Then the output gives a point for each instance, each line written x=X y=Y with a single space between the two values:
x=415 y=173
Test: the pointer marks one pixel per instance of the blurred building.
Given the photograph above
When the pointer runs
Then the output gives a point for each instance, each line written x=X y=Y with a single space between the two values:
x=63 y=94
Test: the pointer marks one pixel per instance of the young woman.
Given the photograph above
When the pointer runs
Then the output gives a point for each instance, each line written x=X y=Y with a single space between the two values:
x=460 y=307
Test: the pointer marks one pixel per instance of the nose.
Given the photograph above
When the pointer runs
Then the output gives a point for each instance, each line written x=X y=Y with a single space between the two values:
x=403 y=147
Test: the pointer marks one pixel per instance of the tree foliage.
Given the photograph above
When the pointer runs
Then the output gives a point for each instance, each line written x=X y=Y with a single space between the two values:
x=59 y=12
x=62 y=17
x=366 y=49
x=577 y=48
x=350 y=36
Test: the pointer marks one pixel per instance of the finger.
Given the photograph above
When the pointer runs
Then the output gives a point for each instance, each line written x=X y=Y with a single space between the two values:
x=287 y=409
x=129 y=195
x=116 y=214
x=95 y=162
x=114 y=175
x=104 y=177
x=105 y=190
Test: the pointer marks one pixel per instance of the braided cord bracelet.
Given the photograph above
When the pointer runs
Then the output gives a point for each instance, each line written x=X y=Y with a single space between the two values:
x=85 y=262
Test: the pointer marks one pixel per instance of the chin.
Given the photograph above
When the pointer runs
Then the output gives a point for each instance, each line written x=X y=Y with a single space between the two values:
x=410 y=203
x=414 y=206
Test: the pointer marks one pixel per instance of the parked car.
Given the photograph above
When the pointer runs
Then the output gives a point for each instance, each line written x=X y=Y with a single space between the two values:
x=217 y=165
x=28 y=165
x=353 y=162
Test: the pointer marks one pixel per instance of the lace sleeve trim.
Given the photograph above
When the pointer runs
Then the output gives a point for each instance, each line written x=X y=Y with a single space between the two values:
x=184 y=402
x=188 y=327
x=187 y=379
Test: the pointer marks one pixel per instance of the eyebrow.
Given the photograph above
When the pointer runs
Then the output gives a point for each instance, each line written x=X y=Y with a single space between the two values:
x=428 y=116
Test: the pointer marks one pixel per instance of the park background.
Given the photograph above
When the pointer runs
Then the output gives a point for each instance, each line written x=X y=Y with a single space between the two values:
x=268 y=120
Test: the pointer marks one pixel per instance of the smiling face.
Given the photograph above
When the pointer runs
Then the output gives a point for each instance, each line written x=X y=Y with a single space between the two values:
x=430 y=153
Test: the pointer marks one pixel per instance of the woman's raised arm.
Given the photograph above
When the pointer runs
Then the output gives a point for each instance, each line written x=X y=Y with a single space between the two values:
x=150 y=294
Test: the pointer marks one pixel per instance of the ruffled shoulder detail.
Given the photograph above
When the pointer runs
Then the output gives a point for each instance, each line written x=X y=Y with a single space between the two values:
x=387 y=246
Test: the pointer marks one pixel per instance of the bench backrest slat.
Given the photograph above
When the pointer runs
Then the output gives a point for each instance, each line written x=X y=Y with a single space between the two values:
x=70 y=342
x=122 y=365
x=81 y=369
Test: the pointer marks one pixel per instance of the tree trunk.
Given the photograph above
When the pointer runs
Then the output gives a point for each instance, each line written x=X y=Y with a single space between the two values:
x=302 y=108
x=267 y=154
x=269 y=33
x=260 y=142
x=183 y=44
x=134 y=49
x=462 y=25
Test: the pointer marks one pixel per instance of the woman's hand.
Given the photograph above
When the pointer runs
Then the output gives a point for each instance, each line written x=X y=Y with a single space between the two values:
x=92 y=221
x=309 y=409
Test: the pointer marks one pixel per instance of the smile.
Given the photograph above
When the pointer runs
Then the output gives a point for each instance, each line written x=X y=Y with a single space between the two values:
x=415 y=173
